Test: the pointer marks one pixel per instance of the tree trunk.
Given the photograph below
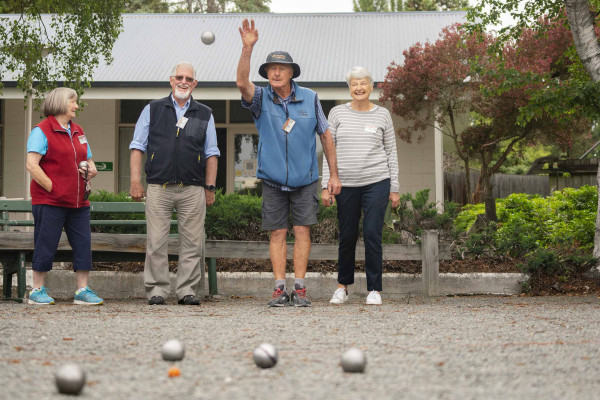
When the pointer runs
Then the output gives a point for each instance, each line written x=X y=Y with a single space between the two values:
x=581 y=22
x=468 y=178
x=211 y=7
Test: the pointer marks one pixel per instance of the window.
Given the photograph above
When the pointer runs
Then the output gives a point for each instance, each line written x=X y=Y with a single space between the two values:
x=245 y=157
x=219 y=110
x=239 y=114
x=129 y=112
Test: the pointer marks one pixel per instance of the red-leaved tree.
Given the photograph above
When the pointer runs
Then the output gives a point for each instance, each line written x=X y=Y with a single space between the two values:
x=457 y=77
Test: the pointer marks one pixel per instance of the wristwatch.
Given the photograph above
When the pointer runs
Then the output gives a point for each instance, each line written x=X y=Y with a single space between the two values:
x=210 y=188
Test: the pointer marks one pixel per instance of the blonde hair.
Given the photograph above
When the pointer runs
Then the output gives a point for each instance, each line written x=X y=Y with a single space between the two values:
x=359 y=73
x=57 y=101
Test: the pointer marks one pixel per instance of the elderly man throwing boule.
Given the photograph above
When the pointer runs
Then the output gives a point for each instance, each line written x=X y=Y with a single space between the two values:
x=287 y=118
x=179 y=138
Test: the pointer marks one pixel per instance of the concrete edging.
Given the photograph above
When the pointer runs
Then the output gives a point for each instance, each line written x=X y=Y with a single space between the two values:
x=123 y=285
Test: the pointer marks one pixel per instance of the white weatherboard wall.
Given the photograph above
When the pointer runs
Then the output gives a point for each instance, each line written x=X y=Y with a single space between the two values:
x=98 y=120
x=416 y=161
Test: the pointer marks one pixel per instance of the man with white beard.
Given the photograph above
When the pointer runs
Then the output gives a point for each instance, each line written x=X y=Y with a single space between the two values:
x=179 y=138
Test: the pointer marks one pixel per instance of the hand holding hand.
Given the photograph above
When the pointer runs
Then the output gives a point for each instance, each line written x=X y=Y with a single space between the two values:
x=334 y=186
x=249 y=33
x=327 y=199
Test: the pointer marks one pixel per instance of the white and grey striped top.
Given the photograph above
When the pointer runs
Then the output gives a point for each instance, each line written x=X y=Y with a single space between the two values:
x=365 y=144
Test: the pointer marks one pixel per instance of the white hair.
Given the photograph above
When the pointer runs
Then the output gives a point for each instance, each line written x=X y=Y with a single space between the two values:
x=359 y=73
x=184 y=64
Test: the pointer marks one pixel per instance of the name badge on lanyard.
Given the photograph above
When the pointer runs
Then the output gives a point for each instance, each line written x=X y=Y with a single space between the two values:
x=181 y=123
x=288 y=125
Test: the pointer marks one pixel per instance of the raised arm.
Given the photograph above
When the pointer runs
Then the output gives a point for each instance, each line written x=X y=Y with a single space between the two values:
x=249 y=38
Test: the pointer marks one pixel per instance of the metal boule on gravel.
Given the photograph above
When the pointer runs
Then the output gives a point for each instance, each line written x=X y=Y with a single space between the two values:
x=173 y=350
x=354 y=360
x=265 y=355
x=208 y=37
x=70 y=379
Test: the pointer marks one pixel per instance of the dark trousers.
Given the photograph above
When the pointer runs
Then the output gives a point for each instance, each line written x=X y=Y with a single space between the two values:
x=372 y=201
x=48 y=224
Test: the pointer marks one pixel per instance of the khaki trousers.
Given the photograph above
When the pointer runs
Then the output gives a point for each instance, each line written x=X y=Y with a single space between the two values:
x=190 y=204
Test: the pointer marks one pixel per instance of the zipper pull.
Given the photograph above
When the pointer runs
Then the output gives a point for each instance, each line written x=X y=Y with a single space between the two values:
x=152 y=157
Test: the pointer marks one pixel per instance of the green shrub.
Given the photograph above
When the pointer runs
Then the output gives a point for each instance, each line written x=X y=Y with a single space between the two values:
x=415 y=214
x=235 y=217
x=556 y=262
x=103 y=195
x=527 y=222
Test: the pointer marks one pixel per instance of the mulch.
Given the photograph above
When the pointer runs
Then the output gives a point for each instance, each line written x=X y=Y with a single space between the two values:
x=551 y=285
x=260 y=265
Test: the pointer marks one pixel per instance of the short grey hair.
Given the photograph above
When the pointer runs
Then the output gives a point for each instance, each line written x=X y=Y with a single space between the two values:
x=359 y=73
x=184 y=64
x=57 y=101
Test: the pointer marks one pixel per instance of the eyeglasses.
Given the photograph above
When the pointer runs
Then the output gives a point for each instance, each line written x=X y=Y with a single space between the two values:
x=179 y=78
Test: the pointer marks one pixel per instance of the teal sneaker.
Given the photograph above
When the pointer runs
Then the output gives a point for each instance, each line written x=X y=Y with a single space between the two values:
x=40 y=296
x=87 y=296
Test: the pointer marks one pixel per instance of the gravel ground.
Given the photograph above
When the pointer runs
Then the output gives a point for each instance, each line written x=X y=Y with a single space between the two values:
x=417 y=348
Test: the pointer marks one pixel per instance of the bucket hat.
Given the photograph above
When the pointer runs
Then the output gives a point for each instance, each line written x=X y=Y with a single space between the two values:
x=279 y=57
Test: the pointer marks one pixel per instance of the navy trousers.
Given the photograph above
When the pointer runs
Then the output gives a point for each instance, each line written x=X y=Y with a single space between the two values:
x=372 y=201
x=48 y=225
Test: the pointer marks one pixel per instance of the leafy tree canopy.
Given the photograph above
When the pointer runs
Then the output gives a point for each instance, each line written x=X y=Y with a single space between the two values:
x=438 y=82
x=408 y=5
x=38 y=52
x=220 y=6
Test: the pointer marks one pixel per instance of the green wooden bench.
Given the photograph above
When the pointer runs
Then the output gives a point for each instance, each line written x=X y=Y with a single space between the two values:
x=16 y=248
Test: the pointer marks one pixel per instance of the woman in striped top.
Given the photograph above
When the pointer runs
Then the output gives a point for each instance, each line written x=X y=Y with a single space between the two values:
x=368 y=168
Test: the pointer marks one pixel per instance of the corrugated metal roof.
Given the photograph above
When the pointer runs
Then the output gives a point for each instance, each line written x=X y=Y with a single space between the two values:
x=324 y=45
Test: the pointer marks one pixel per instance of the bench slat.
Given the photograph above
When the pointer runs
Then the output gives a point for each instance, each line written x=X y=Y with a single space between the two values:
x=136 y=243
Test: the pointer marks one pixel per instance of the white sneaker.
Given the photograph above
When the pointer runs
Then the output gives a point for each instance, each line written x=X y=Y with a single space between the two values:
x=339 y=296
x=374 y=298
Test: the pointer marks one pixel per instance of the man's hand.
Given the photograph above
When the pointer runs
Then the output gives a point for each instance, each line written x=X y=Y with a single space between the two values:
x=326 y=199
x=137 y=191
x=249 y=33
x=334 y=186
x=210 y=197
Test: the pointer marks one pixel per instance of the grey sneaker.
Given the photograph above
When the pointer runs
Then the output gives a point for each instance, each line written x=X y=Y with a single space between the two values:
x=280 y=298
x=299 y=298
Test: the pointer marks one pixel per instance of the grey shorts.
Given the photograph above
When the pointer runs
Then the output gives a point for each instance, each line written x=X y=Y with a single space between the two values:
x=277 y=205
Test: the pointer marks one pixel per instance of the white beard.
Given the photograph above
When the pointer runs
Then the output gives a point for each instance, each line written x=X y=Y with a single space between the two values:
x=181 y=94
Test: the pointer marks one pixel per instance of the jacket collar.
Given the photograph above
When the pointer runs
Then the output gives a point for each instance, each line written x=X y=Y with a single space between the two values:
x=296 y=94
x=191 y=102
x=57 y=127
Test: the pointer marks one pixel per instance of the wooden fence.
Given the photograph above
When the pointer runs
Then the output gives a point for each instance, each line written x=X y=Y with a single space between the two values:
x=455 y=185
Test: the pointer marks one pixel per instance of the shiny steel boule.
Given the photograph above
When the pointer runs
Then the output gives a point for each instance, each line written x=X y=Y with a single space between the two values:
x=208 y=37
x=84 y=165
x=354 y=360
x=265 y=355
x=70 y=379
x=173 y=350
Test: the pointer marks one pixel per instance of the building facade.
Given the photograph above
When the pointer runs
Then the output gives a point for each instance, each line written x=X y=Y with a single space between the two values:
x=326 y=46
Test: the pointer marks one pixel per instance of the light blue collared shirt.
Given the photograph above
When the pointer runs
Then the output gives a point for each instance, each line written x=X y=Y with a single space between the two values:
x=142 y=129
x=38 y=142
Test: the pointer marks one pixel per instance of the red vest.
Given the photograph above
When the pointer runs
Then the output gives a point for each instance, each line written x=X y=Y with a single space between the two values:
x=60 y=164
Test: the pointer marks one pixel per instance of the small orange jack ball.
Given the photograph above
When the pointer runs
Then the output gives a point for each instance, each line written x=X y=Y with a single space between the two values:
x=173 y=372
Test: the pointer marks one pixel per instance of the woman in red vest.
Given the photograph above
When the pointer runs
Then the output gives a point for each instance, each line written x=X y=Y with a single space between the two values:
x=59 y=192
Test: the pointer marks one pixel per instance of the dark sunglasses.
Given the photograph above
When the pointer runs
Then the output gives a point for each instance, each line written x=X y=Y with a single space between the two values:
x=181 y=77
